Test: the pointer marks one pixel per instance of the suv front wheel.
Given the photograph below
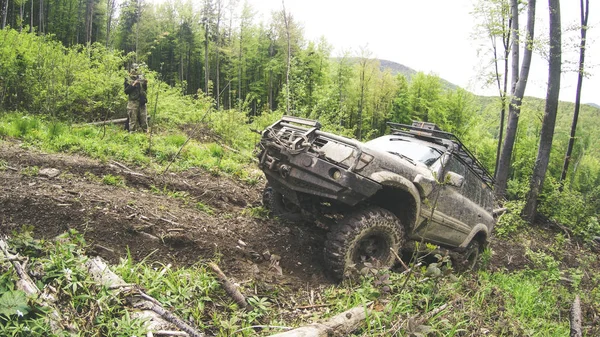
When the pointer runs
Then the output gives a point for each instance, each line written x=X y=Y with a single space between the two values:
x=279 y=206
x=366 y=236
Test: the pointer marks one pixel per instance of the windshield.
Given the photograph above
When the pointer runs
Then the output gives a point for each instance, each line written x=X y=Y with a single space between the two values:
x=404 y=148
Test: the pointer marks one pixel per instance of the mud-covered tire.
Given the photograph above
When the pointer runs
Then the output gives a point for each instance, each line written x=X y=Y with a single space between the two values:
x=470 y=257
x=276 y=203
x=367 y=235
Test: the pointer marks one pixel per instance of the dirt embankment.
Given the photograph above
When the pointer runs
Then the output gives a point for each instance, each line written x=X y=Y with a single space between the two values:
x=155 y=216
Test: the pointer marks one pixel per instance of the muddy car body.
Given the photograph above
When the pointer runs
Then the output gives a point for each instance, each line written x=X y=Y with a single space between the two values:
x=419 y=179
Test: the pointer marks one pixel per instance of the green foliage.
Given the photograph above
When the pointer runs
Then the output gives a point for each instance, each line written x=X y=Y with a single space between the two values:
x=42 y=76
x=256 y=212
x=204 y=208
x=511 y=221
x=110 y=179
x=572 y=209
x=13 y=303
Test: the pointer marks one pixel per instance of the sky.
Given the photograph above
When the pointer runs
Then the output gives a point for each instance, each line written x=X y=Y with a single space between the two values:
x=436 y=36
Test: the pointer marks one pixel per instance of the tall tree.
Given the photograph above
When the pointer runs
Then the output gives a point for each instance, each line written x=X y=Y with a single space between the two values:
x=289 y=57
x=584 y=14
x=363 y=62
x=519 y=83
x=4 y=13
x=549 y=121
x=496 y=24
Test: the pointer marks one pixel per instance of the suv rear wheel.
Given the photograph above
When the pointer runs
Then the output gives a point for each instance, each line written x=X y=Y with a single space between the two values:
x=366 y=236
x=279 y=206
x=470 y=258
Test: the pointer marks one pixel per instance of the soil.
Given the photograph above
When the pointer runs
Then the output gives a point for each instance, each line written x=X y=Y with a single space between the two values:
x=156 y=217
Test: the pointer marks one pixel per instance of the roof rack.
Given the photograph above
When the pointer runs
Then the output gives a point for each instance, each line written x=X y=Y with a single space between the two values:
x=431 y=131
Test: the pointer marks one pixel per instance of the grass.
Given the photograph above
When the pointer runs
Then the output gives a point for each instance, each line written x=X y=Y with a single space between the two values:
x=134 y=148
x=522 y=303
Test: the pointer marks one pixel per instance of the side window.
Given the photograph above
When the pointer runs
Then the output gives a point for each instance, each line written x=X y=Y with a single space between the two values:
x=471 y=188
x=456 y=166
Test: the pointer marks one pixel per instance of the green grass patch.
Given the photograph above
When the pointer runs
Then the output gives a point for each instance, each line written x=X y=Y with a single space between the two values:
x=112 y=142
x=110 y=179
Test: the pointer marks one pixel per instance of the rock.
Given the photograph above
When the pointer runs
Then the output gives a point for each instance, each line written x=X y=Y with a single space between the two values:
x=49 y=172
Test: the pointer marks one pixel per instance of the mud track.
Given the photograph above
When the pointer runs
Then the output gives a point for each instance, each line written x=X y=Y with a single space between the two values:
x=156 y=217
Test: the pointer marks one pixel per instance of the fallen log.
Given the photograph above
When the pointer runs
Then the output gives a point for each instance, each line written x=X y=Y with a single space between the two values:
x=110 y=121
x=339 y=325
x=46 y=298
x=230 y=288
x=576 y=318
x=157 y=318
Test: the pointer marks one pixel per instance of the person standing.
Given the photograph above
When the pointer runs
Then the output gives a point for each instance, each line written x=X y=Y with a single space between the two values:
x=136 y=87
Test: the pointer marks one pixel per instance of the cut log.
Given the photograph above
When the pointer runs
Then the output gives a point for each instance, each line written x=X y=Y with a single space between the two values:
x=339 y=325
x=576 y=318
x=157 y=318
x=230 y=288
x=110 y=121
x=46 y=298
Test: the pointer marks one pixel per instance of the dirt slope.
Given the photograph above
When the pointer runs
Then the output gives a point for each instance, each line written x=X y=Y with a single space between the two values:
x=156 y=216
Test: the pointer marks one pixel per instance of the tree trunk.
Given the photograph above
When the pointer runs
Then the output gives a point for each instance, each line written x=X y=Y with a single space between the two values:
x=506 y=40
x=89 y=15
x=41 y=18
x=289 y=49
x=4 y=12
x=361 y=101
x=206 y=69
x=519 y=80
x=217 y=46
x=240 y=66
x=549 y=121
x=584 y=20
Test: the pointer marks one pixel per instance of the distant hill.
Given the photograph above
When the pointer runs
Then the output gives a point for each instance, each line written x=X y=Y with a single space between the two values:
x=397 y=68
x=593 y=105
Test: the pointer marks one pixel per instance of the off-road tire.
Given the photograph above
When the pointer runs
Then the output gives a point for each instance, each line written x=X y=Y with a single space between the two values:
x=364 y=236
x=470 y=258
x=276 y=203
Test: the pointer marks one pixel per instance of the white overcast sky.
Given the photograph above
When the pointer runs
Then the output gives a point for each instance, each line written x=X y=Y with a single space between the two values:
x=434 y=36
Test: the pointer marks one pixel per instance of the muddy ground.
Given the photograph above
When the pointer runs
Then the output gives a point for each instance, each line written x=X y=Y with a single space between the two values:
x=156 y=217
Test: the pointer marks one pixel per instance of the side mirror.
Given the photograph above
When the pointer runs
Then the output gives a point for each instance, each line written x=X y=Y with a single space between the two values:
x=454 y=179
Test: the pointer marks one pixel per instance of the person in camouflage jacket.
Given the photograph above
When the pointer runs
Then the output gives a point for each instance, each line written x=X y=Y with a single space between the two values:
x=136 y=87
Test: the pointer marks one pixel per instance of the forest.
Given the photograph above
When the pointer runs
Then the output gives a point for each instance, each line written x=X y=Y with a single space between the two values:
x=217 y=75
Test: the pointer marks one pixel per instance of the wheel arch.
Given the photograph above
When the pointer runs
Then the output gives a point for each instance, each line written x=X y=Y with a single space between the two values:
x=397 y=192
x=479 y=233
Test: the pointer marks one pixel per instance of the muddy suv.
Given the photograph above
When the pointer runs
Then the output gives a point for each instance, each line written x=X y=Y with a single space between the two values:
x=416 y=184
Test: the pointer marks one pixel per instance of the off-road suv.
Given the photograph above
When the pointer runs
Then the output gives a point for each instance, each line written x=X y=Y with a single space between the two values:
x=418 y=183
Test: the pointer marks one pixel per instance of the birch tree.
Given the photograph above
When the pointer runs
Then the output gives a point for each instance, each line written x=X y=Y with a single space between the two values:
x=519 y=83
x=549 y=121
x=584 y=14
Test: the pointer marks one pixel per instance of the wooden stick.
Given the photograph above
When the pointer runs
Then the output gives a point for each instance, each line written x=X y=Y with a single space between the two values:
x=399 y=259
x=576 y=318
x=110 y=121
x=340 y=325
x=157 y=318
x=230 y=288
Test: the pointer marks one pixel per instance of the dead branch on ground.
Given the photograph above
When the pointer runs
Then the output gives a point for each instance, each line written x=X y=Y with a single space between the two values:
x=339 y=325
x=230 y=288
x=156 y=316
x=576 y=318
